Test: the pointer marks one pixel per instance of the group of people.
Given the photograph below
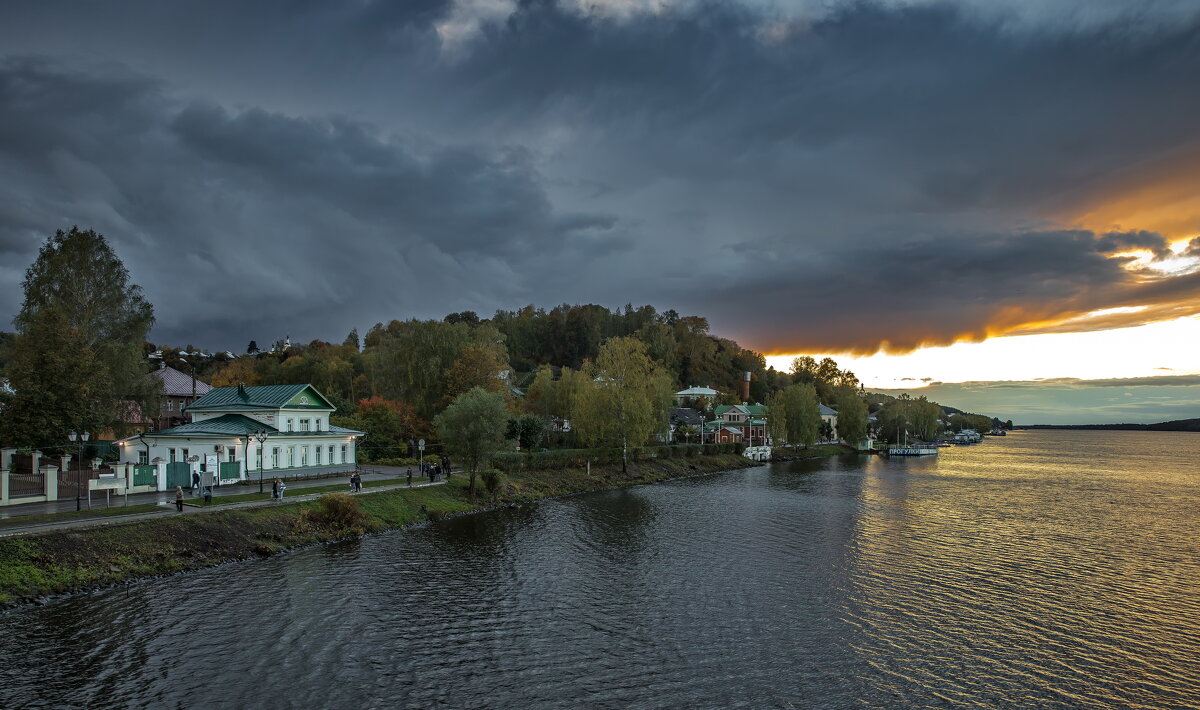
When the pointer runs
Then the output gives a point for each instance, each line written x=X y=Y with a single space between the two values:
x=277 y=488
x=355 y=482
x=432 y=470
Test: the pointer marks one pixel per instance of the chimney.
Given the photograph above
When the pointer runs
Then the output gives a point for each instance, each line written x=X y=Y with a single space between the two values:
x=242 y=390
x=746 y=387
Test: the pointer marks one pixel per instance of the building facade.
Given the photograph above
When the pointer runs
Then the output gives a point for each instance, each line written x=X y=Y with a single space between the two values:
x=221 y=440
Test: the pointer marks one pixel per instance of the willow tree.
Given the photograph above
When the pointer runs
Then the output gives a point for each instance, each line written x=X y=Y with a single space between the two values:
x=777 y=421
x=803 y=413
x=852 y=416
x=473 y=428
x=628 y=399
x=78 y=302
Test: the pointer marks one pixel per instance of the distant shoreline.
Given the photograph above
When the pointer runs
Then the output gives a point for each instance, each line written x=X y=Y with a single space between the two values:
x=1192 y=425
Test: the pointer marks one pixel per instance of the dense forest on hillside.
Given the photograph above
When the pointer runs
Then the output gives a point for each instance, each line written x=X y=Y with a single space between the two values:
x=406 y=372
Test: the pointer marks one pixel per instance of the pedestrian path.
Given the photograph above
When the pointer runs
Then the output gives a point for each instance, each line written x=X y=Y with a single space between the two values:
x=167 y=504
x=368 y=473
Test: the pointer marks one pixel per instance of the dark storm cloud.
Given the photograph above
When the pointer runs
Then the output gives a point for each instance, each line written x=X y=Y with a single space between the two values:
x=856 y=175
x=956 y=287
x=280 y=219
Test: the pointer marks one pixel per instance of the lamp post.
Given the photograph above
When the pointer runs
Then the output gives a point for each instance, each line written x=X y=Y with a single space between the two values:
x=261 y=437
x=80 y=437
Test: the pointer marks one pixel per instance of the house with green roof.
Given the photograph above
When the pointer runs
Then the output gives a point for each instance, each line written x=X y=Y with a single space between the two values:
x=222 y=440
x=739 y=422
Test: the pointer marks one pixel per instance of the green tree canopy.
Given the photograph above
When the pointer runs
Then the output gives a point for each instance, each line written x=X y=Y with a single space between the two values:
x=628 y=399
x=82 y=313
x=777 y=420
x=852 y=416
x=803 y=413
x=473 y=428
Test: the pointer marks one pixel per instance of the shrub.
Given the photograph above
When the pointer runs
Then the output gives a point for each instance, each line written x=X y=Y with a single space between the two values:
x=338 y=510
x=492 y=481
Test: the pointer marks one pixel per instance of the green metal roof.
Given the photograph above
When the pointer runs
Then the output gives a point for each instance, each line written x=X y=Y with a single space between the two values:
x=261 y=397
x=226 y=425
x=242 y=426
x=755 y=409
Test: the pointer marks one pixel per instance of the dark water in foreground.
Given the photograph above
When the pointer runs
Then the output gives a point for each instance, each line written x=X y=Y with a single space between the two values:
x=1044 y=569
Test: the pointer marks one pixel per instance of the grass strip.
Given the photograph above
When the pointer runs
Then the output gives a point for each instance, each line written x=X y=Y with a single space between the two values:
x=59 y=561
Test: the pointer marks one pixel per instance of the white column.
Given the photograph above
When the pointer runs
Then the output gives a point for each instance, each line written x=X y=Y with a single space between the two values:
x=51 y=481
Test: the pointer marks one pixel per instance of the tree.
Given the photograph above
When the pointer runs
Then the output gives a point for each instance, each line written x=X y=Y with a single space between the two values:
x=388 y=424
x=852 y=416
x=628 y=400
x=58 y=384
x=473 y=427
x=777 y=421
x=526 y=430
x=351 y=340
x=78 y=295
x=539 y=397
x=252 y=348
x=803 y=413
x=477 y=366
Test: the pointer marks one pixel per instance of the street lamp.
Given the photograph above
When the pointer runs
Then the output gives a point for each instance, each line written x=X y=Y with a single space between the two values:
x=261 y=437
x=81 y=437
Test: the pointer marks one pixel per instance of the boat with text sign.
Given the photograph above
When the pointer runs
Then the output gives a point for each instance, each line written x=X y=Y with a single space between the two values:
x=913 y=450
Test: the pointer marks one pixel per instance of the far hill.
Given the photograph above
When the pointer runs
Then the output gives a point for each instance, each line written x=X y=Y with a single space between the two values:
x=1175 y=425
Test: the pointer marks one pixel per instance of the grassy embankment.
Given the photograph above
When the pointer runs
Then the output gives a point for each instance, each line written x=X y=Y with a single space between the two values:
x=71 y=560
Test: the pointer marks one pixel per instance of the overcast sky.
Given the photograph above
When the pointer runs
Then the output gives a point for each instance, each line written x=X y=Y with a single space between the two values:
x=812 y=176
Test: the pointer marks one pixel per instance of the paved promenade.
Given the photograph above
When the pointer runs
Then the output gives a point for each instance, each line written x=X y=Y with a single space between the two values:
x=166 y=501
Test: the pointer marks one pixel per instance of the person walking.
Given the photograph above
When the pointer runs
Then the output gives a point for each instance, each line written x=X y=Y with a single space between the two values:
x=275 y=489
x=446 y=466
x=196 y=484
x=282 y=487
x=410 y=476
x=179 y=498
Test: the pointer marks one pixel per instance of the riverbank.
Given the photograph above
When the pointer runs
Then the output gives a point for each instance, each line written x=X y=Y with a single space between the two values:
x=35 y=567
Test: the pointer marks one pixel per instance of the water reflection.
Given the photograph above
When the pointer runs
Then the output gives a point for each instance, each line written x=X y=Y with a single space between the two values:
x=1041 y=570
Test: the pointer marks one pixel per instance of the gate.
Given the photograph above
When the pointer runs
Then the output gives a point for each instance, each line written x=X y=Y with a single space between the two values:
x=145 y=476
x=26 y=484
x=231 y=470
x=179 y=474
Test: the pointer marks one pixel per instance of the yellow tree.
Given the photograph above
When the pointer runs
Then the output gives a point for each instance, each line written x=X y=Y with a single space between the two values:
x=628 y=399
x=477 y=366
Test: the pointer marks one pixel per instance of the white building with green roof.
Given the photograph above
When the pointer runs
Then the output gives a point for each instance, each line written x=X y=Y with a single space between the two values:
x=221 y=440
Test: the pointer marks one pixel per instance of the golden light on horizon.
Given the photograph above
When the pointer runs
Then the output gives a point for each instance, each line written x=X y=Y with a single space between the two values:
x=1155 y=349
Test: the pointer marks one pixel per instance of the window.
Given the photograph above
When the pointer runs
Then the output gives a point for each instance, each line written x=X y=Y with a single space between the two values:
x=185 y=454
x=303 y=455
x=274 y=457
x=343 y=453
x=291 y=452
x=143 y=457
x=170 y=405
x=304 y=424
x=331 y=453
x=320 y=425
x=232 y=454
x=291 y=423
x=317 y=454
x=171 y=455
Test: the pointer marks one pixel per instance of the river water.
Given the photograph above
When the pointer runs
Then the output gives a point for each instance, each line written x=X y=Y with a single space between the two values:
x=1043 y=569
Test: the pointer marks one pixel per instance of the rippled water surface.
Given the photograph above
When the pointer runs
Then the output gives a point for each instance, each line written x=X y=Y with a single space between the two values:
x=1043 y=569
